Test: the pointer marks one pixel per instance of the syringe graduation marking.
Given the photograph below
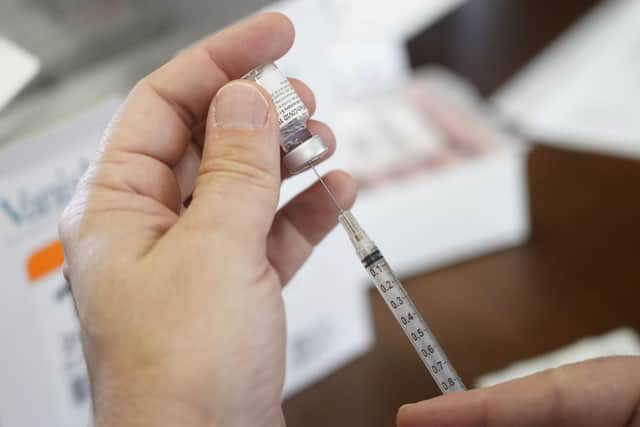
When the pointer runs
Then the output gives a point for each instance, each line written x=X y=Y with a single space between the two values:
x=399 y=302
x=412 y=323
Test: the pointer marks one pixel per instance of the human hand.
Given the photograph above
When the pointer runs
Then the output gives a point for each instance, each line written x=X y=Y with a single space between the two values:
x=600 y=392
x=181 y=309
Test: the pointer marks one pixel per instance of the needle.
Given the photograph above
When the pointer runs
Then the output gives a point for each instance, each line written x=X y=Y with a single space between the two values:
x=331 y=195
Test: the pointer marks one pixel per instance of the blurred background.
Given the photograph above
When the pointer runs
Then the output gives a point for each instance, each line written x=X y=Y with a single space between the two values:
x=496 y=145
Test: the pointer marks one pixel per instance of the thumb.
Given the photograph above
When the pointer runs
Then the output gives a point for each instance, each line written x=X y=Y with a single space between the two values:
x=238 y=182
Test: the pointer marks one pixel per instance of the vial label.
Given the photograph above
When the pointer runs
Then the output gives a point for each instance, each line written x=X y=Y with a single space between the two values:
x=300 y=147
x=289 y=105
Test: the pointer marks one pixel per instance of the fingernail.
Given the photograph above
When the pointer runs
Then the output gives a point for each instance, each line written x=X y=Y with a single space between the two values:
x=240 y=105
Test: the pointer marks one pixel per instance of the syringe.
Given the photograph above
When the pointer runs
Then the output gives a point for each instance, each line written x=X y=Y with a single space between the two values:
x=399 y=302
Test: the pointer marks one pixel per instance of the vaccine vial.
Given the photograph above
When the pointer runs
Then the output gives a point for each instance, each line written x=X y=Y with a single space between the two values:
x=301 y=149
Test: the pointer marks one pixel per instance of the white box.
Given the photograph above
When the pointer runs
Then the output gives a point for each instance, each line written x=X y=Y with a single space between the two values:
x=423 y=223
x=582 y=91
x=441 y=181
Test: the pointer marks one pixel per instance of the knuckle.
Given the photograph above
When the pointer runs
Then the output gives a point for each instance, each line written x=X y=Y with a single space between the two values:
x=238 y=164
x=66 y=222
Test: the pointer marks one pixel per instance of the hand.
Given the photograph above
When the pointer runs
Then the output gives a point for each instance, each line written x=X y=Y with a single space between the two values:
x=597 y=393
x=181 y=309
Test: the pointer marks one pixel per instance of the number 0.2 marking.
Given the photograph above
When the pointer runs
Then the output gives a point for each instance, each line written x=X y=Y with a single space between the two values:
x=386 y=286
x=397 y=302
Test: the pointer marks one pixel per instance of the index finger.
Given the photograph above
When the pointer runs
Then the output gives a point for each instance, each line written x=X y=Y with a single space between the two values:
x=179 y=93
x=595 y=393
x=155 y=123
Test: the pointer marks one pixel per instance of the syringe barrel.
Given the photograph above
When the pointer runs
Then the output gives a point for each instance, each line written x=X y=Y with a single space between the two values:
x=412 y=324
x=402 y=307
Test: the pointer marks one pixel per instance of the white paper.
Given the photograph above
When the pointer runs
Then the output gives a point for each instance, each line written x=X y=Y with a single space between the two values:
x=583 y=91
x=620 y=342
x=328 y=314
x=43 y=380
x=17 y=67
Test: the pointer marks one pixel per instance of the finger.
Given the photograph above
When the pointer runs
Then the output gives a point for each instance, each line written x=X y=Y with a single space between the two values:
x=192 y=78
x=239 y=178
x=327 y=135
x=595 y=393
x=304 y=221
x=305 y=93
x=158 y=115
x=187 y=168
x=186 y=171
x=302 y=89
x=329 y=138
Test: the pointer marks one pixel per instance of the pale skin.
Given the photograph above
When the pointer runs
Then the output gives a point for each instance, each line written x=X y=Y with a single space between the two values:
x=154 y=282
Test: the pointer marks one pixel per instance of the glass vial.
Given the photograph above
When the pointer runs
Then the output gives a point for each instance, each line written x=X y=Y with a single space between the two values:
x=300 y=147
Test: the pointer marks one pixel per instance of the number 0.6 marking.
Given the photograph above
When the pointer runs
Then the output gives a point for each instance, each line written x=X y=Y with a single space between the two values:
x=428 y=351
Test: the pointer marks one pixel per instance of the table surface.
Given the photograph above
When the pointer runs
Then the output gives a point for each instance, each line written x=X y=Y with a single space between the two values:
x=577 y=275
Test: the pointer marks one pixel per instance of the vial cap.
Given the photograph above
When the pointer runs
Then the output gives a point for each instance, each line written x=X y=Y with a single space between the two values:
x=308 y=152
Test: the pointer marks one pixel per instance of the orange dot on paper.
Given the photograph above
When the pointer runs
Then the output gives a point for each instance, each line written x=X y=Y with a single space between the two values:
x=45 y=260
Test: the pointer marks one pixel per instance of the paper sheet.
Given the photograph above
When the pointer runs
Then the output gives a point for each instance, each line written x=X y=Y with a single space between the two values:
x=620 y=342
x=583 y=91
x=43 y=380
x=328 y=314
